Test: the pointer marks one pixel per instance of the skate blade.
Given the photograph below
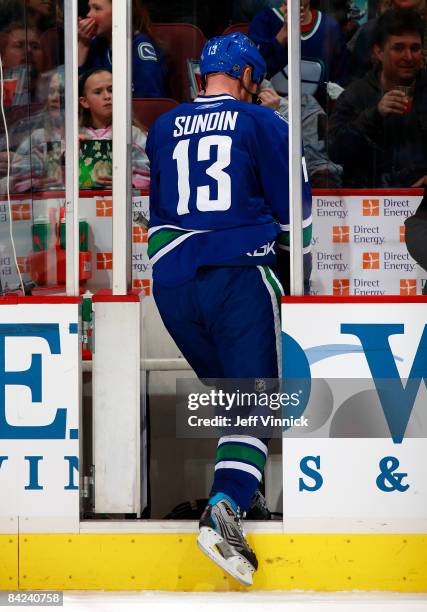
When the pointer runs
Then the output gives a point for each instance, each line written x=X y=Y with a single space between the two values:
x=238 y=567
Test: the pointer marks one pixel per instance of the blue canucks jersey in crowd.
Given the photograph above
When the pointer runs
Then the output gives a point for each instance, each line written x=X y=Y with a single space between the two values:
x=148 y=65
x=322 y=41
x=219 y=188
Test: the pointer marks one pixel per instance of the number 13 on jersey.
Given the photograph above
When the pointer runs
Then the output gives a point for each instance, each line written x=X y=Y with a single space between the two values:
x=216 y=149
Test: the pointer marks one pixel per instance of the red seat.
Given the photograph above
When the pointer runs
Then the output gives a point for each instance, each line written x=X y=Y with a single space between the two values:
x=146 y=110
x=237 y=27
x=180 y=42
x=52 y=43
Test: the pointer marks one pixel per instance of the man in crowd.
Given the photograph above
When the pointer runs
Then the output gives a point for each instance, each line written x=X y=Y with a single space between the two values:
x=378 y=131
x=218 y=204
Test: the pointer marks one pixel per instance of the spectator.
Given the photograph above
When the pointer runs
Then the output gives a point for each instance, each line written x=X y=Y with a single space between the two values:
x=416 y=236
x=378 y=132
x=322 y=172
x=360 y=45
x=322 y=48
x=23 y=60
x=38 y=162
x=96 y=116
x=94 y=48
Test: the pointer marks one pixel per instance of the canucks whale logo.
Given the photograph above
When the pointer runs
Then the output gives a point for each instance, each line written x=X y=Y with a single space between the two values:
x=397 y=398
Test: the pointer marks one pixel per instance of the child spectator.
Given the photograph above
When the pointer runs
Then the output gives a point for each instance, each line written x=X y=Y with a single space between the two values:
x=96 y=116
x=94 y=48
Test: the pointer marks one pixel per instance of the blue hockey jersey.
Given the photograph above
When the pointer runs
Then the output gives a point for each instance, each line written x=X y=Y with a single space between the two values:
x=148 y=65
x=322 y=42
x=219 y=187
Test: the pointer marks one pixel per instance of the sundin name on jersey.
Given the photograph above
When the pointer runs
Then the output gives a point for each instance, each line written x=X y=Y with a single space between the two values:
x=208 y=122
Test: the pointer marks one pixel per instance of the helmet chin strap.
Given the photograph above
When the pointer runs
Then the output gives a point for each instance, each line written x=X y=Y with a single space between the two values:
x=254 y=95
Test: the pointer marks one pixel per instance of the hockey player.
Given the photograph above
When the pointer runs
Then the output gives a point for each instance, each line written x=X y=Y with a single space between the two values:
x=218 y=205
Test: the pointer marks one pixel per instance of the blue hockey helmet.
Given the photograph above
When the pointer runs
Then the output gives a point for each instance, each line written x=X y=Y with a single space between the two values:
x=230 y=54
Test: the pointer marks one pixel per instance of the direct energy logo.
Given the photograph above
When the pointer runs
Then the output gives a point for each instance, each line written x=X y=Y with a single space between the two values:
x=104 y=208
x=371 y=261
x=408 y=286
x=139 y=234
x=144 y=284
x=104 y=261
x=341 y=233
x=21 y=212
x=341 y=286
x=371 y=208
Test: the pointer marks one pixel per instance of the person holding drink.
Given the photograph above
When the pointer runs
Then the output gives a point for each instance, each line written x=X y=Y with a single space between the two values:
x=378 y=131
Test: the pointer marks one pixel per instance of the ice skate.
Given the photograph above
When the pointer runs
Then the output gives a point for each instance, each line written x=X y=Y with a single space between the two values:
x=222 y=539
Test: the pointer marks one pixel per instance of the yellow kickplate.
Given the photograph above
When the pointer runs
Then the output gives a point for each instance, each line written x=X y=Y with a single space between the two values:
x=172 y=562
x=8 y=562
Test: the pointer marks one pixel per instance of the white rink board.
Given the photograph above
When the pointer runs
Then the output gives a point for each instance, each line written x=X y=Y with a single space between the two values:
x=339 y=472
x=39 y=473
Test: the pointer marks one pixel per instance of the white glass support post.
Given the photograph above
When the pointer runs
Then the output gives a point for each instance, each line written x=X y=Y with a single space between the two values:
x=295 y=175
x=71 y=139
x=295 y=151
x=122 y=145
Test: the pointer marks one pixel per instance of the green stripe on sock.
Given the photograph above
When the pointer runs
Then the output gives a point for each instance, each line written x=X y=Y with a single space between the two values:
x=161 y=238
x=236 y=452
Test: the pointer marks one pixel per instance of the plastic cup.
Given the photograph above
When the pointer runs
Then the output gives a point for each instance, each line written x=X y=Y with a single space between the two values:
x=9 y=89
x=409 y=94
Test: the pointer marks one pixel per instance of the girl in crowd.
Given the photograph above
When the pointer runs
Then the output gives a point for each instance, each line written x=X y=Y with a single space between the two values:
x=38 y=163
x=94 y=48
x=96 y=116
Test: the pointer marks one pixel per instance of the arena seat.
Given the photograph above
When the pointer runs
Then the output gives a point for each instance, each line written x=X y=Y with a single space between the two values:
x=180 y=42
x=146 y=110
x=237 y=27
